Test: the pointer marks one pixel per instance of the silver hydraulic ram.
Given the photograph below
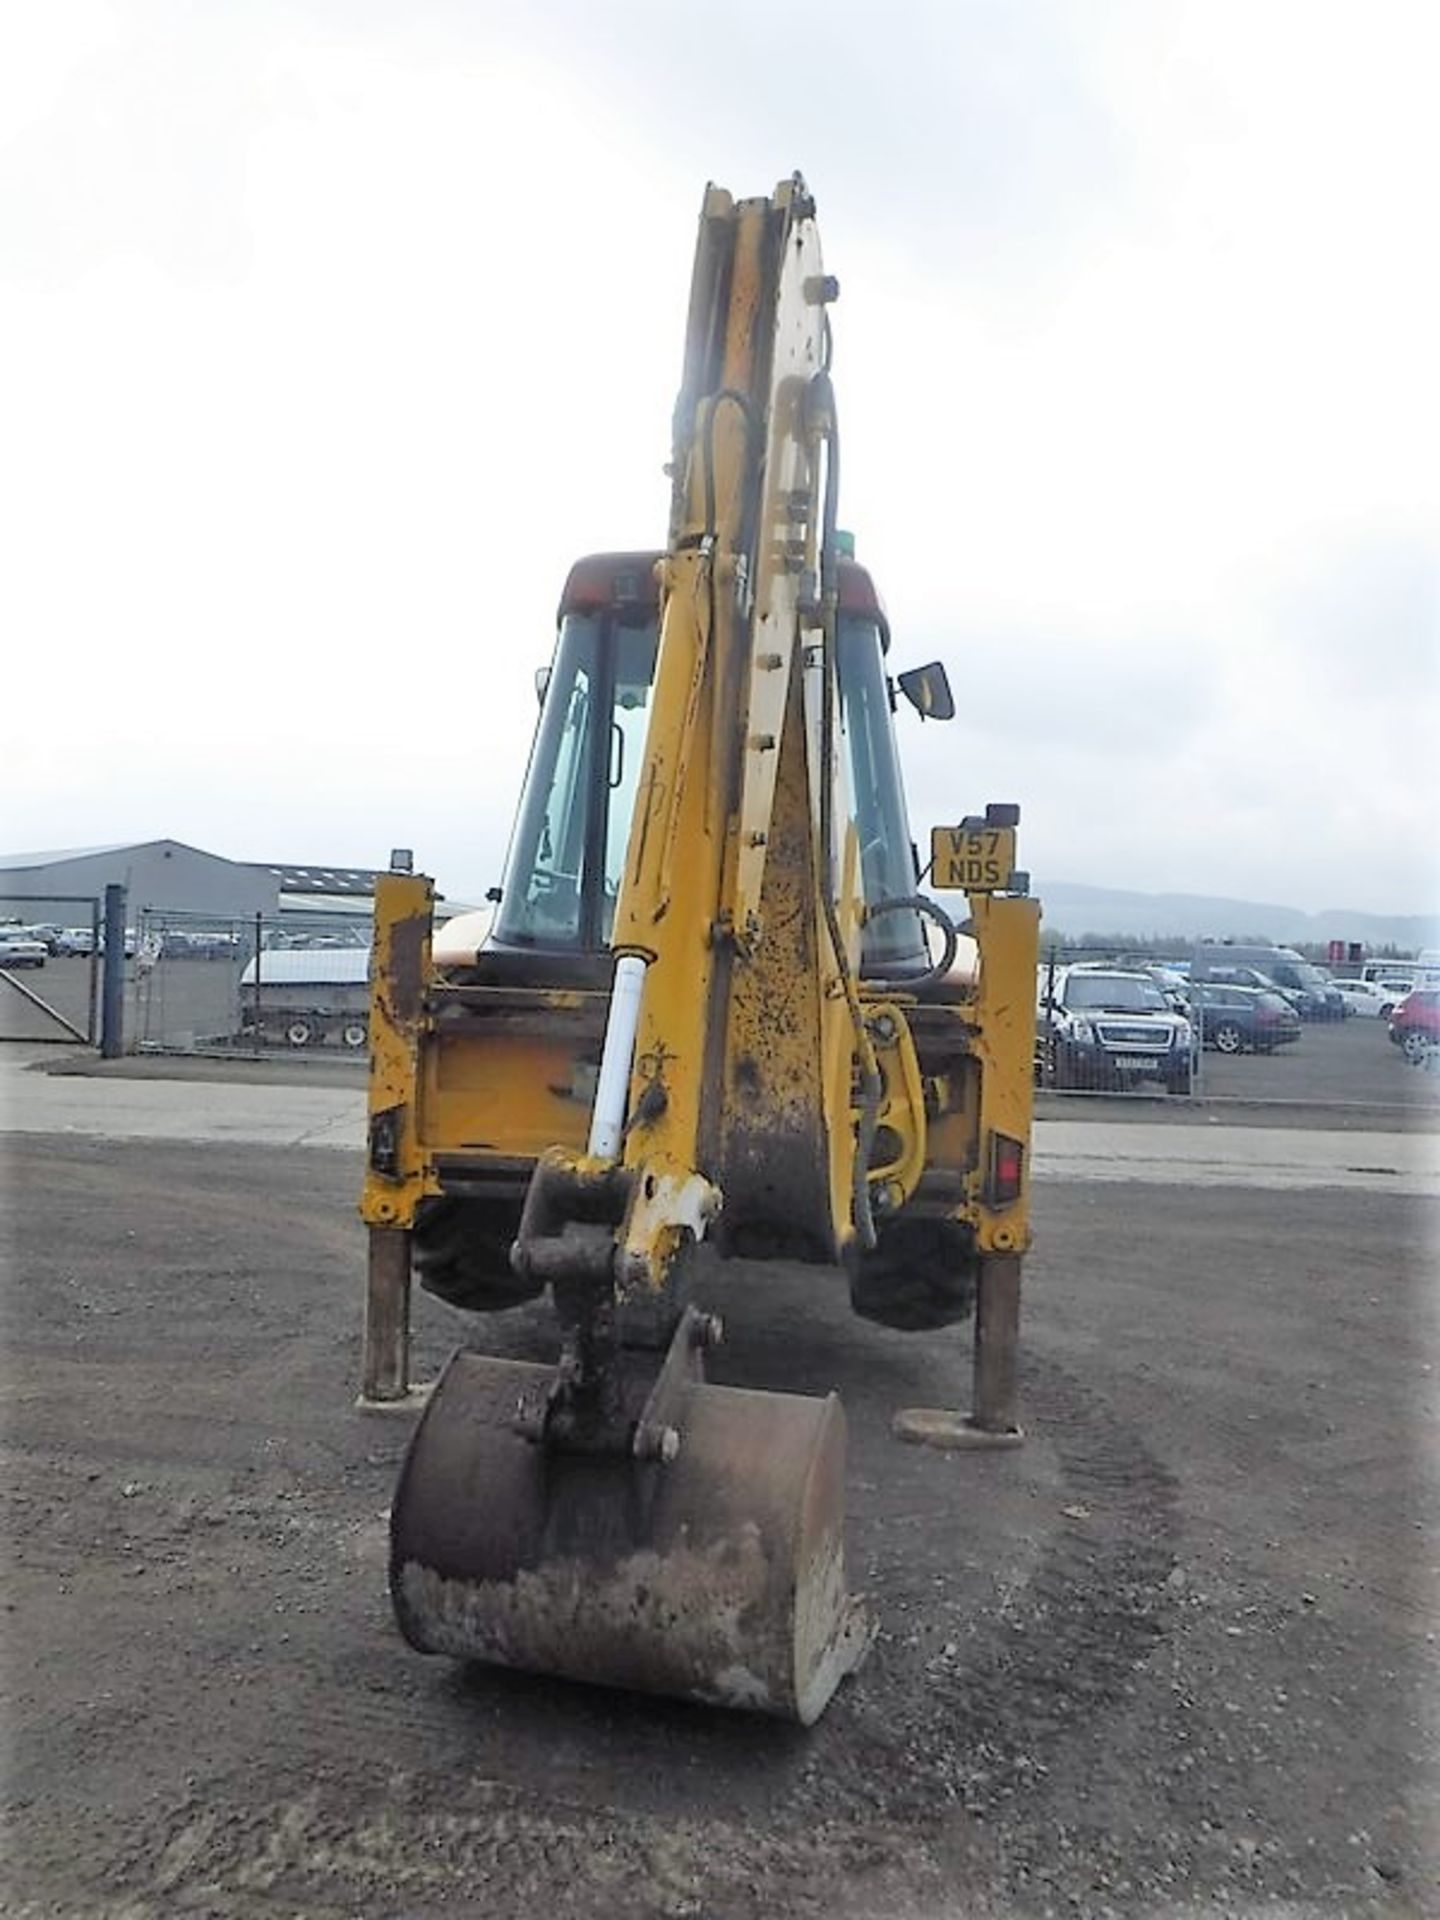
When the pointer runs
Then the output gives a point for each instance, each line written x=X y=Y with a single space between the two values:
x=607 y=1118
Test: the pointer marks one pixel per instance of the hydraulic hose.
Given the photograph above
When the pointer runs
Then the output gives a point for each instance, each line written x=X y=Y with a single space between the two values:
x=871 y=1087
x=928 y=910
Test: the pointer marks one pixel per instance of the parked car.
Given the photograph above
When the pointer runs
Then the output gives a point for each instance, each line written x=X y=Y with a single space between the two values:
x=1236 y=1018
x=73 y=940
x=1415 y=1023
x=1174 y=985
x=1243 y=976
x=44 y=932
x=18 y=949
x=1399 y=977
x=1393 y=991
x=215 y=946
x=191 y=943
x=1107 y=1028
x=1366 y=998
x=1169 y=979
x=132 y=941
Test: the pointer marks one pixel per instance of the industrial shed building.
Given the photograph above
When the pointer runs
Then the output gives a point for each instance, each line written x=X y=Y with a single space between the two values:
x=325 y=898
x=160 y=876
x=168 y=877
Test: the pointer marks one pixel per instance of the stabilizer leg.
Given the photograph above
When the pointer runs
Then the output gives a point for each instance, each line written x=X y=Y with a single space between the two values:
x=385 y=1359
x=997 y=1344
x=993 y=1421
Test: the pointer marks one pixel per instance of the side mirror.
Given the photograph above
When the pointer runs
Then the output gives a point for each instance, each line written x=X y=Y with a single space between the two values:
x=542 y=681
x=928 y=691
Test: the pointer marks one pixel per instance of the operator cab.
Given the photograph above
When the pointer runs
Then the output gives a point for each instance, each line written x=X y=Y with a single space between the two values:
x=562 y=875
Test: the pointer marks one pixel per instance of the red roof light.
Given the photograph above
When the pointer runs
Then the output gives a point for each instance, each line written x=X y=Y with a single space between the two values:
x=604 y=580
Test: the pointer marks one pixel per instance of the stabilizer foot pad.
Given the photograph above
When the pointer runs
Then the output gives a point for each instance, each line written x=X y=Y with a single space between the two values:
x=956 y=1432
x=411 y=1401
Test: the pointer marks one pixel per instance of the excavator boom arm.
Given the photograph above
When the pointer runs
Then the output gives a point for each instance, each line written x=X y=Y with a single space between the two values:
x=735 y=1006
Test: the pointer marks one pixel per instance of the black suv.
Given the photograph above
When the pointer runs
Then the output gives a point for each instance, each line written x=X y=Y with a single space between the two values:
x=1105 y=1027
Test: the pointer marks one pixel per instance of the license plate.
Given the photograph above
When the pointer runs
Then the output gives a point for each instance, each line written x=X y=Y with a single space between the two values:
x=972 y=858
x=1136 y=1063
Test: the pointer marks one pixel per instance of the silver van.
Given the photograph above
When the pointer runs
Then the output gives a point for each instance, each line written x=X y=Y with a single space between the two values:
x=1313 y=996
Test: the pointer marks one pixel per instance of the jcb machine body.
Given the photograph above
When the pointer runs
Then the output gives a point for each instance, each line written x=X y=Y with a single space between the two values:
x=712 y=1018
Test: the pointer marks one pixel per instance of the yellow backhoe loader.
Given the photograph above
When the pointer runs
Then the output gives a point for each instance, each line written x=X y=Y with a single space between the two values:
x=711 y=1017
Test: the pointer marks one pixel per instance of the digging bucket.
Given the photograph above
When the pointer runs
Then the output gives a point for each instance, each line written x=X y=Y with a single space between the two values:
x=717 y=1575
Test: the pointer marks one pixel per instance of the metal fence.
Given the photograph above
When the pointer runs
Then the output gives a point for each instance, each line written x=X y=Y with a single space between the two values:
x=256 y=985
x=192 y=983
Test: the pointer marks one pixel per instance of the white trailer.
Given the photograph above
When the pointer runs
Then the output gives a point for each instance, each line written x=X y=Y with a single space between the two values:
x=304 y=996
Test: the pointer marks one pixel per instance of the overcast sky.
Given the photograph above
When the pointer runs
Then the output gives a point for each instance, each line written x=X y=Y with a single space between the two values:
x=331 y=333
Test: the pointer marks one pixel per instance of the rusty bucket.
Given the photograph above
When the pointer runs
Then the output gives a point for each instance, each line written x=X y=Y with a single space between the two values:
x=717 y=1575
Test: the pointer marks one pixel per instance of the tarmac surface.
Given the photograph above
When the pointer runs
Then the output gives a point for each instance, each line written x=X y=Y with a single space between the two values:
x=1103 y=1141
x=1176 y=1655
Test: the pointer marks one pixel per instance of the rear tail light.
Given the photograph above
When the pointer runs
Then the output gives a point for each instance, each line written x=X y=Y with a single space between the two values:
x=1006 y=1172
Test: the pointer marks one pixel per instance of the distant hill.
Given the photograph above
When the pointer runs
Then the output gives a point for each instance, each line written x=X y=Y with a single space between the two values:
x=1072 y=910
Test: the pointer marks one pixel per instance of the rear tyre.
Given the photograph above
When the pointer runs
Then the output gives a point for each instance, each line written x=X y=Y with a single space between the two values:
x=920 y=1275
x=299 y=1033
x=1415 y=1046
x=354 y=1034
x=1228 y=1038
x=461 y=1254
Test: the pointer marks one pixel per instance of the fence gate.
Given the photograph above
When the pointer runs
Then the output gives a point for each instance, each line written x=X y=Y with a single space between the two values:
x=53 y=995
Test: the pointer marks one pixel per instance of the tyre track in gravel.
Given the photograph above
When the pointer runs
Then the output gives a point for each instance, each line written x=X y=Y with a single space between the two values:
x=981 y=1725
x=913 y=1746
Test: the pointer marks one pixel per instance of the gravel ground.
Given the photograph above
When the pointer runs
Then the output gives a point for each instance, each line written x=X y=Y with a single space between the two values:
x=1176 y=1655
